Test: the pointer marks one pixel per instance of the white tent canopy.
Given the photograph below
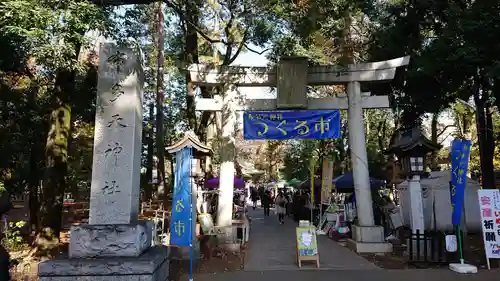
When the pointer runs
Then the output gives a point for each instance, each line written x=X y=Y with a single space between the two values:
x=436 y=196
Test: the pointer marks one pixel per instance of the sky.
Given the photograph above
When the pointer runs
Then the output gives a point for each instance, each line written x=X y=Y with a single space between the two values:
x=252 y=59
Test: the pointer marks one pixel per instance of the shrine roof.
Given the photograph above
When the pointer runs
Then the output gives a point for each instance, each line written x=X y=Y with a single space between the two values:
x=406 y=140
x=189 y=140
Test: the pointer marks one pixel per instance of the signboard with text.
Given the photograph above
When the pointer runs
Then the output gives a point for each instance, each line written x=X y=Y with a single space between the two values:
x=180 y=223
x=489 y=205
x=306 y=241
x=300 y=124
x=307 y=246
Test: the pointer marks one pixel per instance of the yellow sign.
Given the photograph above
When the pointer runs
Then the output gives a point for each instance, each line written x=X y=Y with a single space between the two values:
x=307 y=247
x=306 y=241
x=312 y=174
x=326 y=181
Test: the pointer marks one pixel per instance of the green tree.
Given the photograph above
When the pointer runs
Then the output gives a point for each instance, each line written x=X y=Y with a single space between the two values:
x=52 y=34
x=452 y=57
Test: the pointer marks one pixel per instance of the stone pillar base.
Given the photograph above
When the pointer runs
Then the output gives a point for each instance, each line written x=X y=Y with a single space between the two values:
x=110 y=240
x=369 y=239
x=152 y=265
x=227 y=238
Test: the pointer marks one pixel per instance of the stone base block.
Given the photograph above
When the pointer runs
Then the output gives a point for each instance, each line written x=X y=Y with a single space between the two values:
x=369 y=247
x=368 y=234
x=152 y=265
x=368 y=239
x=119 y=240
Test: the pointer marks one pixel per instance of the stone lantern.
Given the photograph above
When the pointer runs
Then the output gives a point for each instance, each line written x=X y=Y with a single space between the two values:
x=411 y=148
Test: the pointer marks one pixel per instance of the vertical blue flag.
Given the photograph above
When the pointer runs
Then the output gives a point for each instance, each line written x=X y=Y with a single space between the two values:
x=180 y=223
x=460 y=152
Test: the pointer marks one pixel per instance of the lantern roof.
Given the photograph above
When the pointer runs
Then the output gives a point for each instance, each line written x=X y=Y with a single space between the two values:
x=190 y=140
x=411 y=139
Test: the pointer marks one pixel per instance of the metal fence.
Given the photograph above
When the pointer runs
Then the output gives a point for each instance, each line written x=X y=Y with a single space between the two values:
x=429 y=248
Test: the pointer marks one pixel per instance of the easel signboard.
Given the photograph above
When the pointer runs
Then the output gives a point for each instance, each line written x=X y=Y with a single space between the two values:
x=307 y=247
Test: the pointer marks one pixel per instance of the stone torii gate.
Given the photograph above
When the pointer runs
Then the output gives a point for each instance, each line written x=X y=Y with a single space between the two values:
x=291 y=76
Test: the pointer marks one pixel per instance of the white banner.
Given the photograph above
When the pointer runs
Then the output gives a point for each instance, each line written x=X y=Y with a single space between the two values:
x=489 y=205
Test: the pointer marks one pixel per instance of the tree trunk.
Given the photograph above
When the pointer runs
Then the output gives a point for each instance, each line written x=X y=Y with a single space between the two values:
x=487 y=176
x=148 y=189
x=160 y=100
x=467 y=132
x=466 y=126
x=434 y=138
x=172 y=171
x=489 y=146
x=191 y=56
x=33 y=187
x=53 y=188
x=34 y=168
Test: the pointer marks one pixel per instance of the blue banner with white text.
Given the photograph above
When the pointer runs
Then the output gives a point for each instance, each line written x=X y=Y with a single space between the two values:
x=460 y=152
x=180 y=224
x=301 y=124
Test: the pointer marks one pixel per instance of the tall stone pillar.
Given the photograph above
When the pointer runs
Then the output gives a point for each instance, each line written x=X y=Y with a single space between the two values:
x=366 y=236
x=226 y=175
x=114 y=243
x=416 y=204
x=359 y=158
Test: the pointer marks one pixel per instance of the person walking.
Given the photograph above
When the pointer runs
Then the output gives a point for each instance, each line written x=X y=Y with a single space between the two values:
x=281 y=202
x=296 y=208
x=266 y=202
x=254 y=196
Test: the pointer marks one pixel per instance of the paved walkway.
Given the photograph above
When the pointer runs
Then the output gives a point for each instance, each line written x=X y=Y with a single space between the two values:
x=271 y=257
x=272 y=247
x=350 y=275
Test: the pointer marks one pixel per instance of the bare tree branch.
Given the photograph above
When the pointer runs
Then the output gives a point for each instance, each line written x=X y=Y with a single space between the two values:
x=229 y=36
x=444 y=130
x=182 y=17
x=255 y=51
x=441 y=142
x=240 y=47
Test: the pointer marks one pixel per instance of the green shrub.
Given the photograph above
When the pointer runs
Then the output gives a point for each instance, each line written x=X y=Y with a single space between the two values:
x=12 y=239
